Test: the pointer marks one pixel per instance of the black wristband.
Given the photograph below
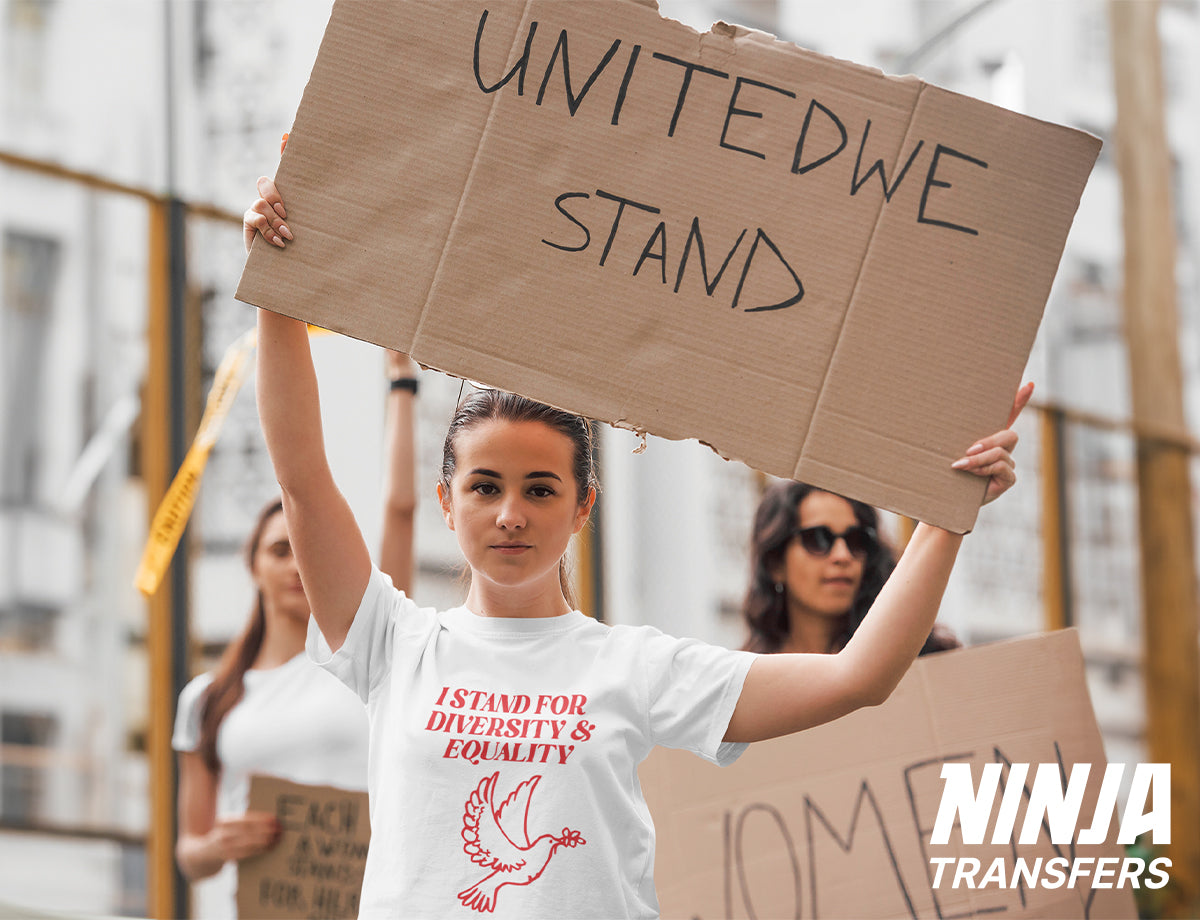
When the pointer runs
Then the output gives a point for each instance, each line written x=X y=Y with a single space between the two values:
x=404 y=383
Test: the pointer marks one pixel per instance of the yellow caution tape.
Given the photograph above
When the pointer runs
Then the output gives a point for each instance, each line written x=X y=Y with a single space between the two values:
x=176 y=507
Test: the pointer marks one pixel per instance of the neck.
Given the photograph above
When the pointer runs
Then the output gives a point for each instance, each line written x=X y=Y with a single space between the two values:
x=282 y=641
x=810 y=632
x=486 y=599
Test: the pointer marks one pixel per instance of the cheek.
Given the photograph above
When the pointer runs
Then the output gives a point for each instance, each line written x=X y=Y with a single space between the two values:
x=799 y=572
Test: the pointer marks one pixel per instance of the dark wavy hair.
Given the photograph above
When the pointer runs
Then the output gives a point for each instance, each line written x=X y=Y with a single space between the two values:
x=228 y=683
x=765 y=609
x=487 y=404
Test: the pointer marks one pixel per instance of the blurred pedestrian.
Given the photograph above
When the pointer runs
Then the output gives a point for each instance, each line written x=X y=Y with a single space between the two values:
x=818 y=561
x=506 y=733
x=266 y=708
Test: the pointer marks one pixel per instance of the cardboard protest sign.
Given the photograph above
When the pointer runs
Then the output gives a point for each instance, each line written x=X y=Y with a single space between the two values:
x=825 y=272
x=316 y=869
x=836 y=822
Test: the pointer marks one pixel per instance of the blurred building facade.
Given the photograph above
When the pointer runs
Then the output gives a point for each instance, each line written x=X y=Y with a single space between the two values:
x=674 y=519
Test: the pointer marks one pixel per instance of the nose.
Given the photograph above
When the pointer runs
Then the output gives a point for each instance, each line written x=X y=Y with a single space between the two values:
x=511 y=513
x=840 y=551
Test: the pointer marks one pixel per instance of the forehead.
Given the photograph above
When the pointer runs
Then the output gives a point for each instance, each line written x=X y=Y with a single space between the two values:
x=819 y=508
x=514 y=448
x=274 y=531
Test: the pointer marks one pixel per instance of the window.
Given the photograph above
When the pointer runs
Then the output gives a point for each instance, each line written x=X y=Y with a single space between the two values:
x=30 y=271
x=27 y=54
x=25 y=739
x=27 y=627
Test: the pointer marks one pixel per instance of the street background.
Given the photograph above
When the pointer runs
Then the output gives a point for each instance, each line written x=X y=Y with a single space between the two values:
x=127 y=126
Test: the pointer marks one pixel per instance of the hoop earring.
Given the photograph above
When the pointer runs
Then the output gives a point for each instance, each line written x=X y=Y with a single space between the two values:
x=779 y=587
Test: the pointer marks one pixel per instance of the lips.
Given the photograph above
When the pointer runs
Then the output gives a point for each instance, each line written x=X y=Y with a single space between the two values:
x=511 y=549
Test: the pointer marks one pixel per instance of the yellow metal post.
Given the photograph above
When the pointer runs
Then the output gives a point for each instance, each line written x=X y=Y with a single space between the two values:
x=1056 y=577
x=155 y=461
x=1169 y=598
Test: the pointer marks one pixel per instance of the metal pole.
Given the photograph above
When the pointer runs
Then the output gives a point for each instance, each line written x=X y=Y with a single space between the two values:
x=1056 y=523
x=1171 y=657
x=181 y=406
x=168 y=631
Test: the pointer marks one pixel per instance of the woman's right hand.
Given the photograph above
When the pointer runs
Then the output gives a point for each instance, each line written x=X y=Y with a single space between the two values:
x=266 y=216
x=243 y=836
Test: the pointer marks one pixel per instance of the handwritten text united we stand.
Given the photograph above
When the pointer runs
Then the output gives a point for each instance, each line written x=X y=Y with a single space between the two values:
x=1055 y=808
x=804 y=137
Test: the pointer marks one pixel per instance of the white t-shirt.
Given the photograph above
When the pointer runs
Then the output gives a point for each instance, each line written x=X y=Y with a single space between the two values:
x=504 y=753
x=295 y=722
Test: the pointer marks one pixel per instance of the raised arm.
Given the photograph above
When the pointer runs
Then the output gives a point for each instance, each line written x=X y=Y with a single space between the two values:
x=788 y=693
x=331 y=554
x=399 y=490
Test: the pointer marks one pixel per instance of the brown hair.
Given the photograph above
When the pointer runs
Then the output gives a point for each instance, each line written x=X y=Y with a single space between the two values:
x=487 y=404
x=228 y=683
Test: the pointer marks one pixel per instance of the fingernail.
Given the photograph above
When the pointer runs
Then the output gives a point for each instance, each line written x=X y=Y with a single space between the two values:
x=285 y=231
x=959 y=464
x=279 y=209
x=277 y=241
x=974 y=449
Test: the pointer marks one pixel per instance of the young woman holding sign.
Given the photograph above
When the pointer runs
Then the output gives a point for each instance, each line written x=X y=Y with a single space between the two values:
x=266 y=708
x=506 y=733
x=818 y=562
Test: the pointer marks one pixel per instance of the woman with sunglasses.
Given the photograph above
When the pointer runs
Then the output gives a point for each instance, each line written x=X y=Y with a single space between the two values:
x=506 y=732
x=818 y=563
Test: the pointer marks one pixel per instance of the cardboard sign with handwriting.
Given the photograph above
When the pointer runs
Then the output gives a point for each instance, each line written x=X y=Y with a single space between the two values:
x=822 y=271
x=836 y=821
x=316 y=869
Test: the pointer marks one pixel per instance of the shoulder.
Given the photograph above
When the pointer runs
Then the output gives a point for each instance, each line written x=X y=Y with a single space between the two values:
x=382 y=598
x=193 y=691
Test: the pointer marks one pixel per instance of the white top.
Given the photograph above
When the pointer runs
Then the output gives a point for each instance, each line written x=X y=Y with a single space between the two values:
x=504 y=754
x=295 y=722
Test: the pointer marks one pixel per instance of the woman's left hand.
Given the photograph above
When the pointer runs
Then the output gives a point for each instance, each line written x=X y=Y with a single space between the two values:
x=992 y=457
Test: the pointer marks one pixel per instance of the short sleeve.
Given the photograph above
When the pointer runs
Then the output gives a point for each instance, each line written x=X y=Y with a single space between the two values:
x=186 y=737
x=365 y=658
x=693 y=688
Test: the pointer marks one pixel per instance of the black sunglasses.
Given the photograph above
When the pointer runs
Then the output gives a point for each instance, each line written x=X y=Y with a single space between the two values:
x=819 y=541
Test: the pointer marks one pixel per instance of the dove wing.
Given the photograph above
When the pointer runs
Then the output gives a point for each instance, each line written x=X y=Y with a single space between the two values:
x=483 y=839
x=513 y=813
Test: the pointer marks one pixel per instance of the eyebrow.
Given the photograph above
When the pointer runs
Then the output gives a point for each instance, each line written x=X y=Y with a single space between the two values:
x=536 y=474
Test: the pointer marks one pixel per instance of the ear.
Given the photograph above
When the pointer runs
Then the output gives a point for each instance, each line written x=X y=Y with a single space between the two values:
x=584 y=511
x=443 y=495
x=778 y=573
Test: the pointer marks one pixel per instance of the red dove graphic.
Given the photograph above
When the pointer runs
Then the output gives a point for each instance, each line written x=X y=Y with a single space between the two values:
x=497 y=838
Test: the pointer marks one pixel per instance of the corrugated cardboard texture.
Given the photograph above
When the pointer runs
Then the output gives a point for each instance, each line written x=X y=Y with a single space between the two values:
x=316 y=867
x=835 y=821
x=817 y=269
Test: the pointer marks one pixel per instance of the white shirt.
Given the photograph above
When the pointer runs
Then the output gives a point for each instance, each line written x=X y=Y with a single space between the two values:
x=295 y=722
x=504 y=754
